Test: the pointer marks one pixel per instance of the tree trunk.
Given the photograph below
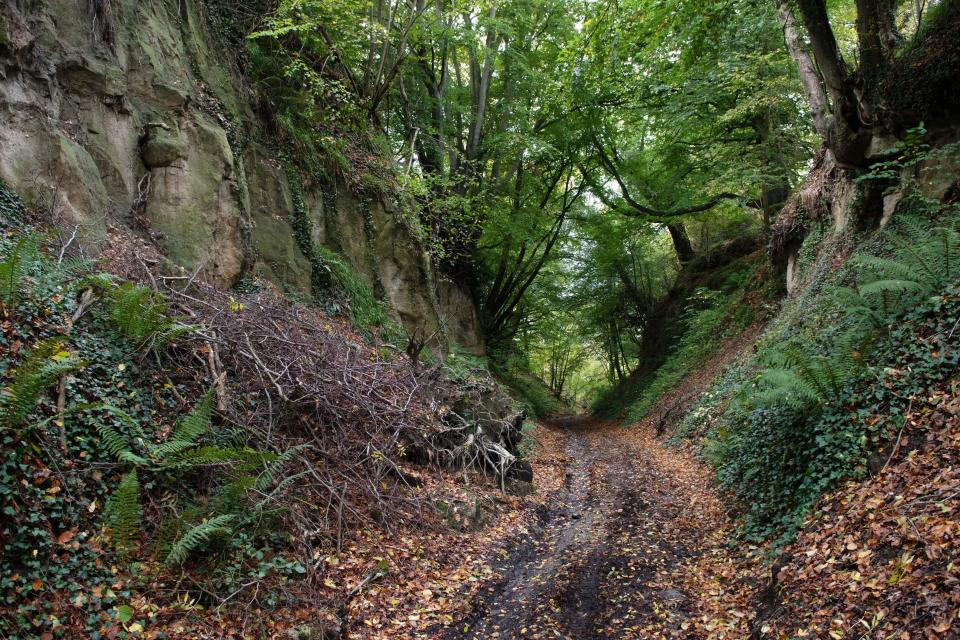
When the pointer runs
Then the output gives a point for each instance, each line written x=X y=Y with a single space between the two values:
x=878 y=38
x=681 y=242
x=772 y=197
x=809 y=77
x=849 y=133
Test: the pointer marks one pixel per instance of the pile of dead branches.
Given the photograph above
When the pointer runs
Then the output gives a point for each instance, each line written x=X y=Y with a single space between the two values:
x=290 y=376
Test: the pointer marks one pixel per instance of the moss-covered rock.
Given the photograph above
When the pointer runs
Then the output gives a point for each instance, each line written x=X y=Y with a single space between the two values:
x=162 y=148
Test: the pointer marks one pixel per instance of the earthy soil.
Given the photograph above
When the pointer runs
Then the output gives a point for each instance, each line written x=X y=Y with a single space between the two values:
x=606 y=560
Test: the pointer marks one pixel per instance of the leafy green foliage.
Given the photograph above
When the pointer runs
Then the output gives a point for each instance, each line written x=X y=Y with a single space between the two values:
x=198 y=535
x=780 y=461
x=923 y=262
x=140 y=314
x=531 y=392
x=365 y=310
x=44 y=366
x=124 y=472
x=833 y=375
x=182 y=452
x=15 y=267
x=705 y=321
x=188 y=430
x=333 y=281
x=12 y=210
x=124 y=513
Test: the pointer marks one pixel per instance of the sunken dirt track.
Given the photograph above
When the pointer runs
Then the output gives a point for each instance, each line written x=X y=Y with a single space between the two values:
x=609 y=558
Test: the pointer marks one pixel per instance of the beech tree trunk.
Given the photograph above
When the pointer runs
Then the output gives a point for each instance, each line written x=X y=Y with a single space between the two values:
x=681 y=242
x=854 y=95
x=813 y=88
x=848 y=134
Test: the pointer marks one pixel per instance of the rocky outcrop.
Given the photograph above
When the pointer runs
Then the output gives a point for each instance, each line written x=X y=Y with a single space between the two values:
x=124 y=112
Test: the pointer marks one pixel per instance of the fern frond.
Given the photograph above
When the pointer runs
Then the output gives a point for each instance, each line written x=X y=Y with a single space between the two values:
x=112 y=440
x=919 y=258
x=273 y=469
x=892 y=286
x=117 y=446
x=16 y=267
x=58 y=273
x=189 y=429
x=282 y=486
x=212 y=455
x=886 y=268
x=45 y=364
x=198 y=535
x=170 y=332
x=230 y=497
x=193 y=425
x=124 y=514
x=140 y=314
x=788 y=387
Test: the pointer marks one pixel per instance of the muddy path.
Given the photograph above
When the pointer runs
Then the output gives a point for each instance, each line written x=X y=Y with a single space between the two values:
x=607 y=559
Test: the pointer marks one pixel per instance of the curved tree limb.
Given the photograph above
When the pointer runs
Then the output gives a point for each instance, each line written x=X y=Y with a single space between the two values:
x=635 y=208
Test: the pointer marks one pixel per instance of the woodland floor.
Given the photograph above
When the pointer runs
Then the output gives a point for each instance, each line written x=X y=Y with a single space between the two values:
x=609 y=558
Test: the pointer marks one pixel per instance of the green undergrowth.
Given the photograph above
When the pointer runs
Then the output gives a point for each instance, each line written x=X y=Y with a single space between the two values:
x=12 y=210
x=531 y=392
x=512 y=371
x=713 y=312
x=115 y=470
x=833 y=375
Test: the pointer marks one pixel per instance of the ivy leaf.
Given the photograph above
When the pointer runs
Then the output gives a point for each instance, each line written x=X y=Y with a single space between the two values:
x=124 y=613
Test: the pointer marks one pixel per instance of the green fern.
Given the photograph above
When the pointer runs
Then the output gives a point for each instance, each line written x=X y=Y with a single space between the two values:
x=140 y=314
x=166 y=534
x=924 y=261
x=786 y=387
x=272 y=470
x=189 y=429
x=65 y=271
x=118 y=446
x=213 y=455
x=43 y=367
x=15 y=268
x=231 y=497
x=800 y=380
x=181 y=452
x=197 y=536
x=124 y=514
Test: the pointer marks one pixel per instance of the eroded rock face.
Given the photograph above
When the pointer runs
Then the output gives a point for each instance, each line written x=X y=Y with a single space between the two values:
x=133 y=118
